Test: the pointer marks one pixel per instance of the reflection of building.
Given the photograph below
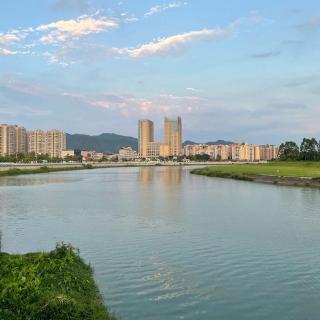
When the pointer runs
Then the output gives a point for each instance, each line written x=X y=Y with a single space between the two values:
x=173 y=136
x=127 y=153
x=13 y=139
x=51 y=142
x=146 y=135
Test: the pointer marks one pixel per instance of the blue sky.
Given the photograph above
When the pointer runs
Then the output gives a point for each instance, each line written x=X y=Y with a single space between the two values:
x=237 y=70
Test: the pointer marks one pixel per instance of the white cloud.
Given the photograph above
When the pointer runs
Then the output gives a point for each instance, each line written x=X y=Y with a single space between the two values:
x=194 y=89
x=129 y=104
x=63 y=30
x=163 y=7
x=7 y=52
x=172 y=44
x=11 y=37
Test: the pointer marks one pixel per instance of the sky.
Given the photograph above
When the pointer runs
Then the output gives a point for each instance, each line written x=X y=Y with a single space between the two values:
x=244 y=70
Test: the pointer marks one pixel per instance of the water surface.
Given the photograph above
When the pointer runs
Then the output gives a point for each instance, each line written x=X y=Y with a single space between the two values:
x=169 y=245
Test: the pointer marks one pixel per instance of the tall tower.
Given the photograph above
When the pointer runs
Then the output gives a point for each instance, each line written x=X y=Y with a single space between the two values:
x=146 y=135
x=173 y=135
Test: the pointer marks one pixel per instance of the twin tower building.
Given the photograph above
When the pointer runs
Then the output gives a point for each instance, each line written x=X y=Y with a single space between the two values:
x=172 y=141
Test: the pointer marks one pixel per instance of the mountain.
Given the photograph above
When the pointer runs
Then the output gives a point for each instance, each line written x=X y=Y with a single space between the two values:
x=209 y=143
x=105 y=142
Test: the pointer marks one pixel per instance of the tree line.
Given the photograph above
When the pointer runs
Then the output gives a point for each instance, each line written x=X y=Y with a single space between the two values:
x=309 y=150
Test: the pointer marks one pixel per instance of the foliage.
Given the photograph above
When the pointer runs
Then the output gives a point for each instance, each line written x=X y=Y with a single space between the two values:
x=44 y=286
x=275 y=168
x=309 y=150
x=44 y=169
x=199 y=157
x=289 y=151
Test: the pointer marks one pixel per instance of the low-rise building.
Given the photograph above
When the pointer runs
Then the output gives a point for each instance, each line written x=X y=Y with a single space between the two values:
x=127 y=153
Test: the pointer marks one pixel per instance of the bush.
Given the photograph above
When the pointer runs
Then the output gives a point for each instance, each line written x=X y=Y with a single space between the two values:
x=44 y=286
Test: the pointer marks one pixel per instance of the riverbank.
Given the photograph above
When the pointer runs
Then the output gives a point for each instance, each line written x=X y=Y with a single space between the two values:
x=302 y=174
x=21 y=169
x=57 y=285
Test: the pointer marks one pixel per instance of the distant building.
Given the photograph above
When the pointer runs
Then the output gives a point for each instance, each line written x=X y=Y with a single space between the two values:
x=67 y=153
x=173 y=136
x=91 y=155
x=51 y=142
x=234 y=152
x=13 y=139
x=269 y=152
x=156 y=150
x=127 y=153
x=146 y=135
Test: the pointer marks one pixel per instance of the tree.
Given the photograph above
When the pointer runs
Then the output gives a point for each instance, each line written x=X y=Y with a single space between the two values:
x=309 y=149
x=289 y=151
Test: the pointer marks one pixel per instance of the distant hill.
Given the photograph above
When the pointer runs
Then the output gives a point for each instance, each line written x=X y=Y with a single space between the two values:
x=210 y=142
x=105 y=142
x=110 y=142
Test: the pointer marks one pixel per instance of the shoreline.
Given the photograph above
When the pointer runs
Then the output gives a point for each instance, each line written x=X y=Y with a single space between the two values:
x=289 y=181
x=23 y=169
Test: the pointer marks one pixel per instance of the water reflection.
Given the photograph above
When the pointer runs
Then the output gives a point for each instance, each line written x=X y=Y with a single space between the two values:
x=31 y=180
x=167 y=176
x=161 y=187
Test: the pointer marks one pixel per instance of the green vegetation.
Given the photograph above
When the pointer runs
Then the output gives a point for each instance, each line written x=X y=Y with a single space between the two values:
x=42 y=286
x=309 y=150
x=250 y=171
x=17 y=172
x=36 y=158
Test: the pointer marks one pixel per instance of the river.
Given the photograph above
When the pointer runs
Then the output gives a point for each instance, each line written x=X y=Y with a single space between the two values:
x=166 y=244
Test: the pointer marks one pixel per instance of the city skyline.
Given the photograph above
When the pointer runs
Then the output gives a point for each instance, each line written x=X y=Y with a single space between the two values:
x=245 y=74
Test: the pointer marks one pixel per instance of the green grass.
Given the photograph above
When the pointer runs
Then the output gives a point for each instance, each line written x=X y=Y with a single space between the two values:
x=249 y=171
x=42 y=286
x=44 y=169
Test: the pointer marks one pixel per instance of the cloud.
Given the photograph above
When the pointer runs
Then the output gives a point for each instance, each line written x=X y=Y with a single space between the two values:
x=163 y=7
x=171 y=44
x=7 y=52
x=64 y=30
x=194 y=89
x=312 y=23
x=6 y=38
x=265 y=55
x=131 y=105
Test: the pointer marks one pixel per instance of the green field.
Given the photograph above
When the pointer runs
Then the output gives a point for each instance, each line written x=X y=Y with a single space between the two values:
x=49 y=286
x=249 y=171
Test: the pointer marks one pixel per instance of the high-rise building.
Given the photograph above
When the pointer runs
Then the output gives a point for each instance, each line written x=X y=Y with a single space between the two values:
x=51 y=142
x=37 y=141
x=21 y=140
x=146 y=135
x=13 y=139
x=55 y=143
x=173 y=136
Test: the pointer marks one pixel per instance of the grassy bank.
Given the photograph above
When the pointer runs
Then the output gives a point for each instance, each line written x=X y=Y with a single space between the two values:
x=287 y=173
x=44 y=169
x=42 y=286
